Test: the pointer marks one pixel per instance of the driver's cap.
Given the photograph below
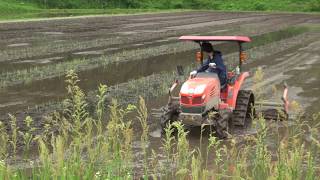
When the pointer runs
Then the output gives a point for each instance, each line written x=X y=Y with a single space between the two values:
x=207 y=47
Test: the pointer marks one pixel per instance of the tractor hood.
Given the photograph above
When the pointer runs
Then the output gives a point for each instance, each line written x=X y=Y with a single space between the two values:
x=199 y=86
x=200 y=94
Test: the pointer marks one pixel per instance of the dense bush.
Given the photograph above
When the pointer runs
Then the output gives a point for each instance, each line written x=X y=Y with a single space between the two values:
x=163 y=4
x=253 y=5
x=314 y=5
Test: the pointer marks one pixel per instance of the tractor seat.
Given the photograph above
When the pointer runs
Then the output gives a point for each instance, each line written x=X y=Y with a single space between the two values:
x=223 y=86
x=207 y=75
x=231 y=78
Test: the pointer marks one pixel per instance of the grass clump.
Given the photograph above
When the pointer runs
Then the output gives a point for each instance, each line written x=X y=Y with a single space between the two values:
x=80 y=144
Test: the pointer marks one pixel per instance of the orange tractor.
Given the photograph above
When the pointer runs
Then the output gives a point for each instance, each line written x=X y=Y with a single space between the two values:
x=202 y=100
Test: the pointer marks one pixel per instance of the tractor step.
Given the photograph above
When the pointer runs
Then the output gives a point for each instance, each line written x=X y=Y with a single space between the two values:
x=266 y=103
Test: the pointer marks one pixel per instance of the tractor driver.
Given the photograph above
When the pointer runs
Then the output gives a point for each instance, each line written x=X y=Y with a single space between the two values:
x=214 y=64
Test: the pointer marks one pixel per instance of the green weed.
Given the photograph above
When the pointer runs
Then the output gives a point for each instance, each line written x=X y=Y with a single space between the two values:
x=143 y=116
x=14 y=134
x=28 y=136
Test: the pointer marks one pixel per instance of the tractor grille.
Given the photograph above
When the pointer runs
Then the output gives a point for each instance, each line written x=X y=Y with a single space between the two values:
x=197 y=100
x=194 y=109
x=184 y=99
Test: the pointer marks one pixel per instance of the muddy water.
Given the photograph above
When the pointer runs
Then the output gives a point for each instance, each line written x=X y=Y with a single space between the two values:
x=88 y=53
x=93 y=32
x=30 y=94
x=66 y=38
x=39 y=92
x=54 y=89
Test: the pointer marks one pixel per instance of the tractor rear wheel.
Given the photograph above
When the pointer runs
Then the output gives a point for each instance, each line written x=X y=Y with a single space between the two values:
x=244 y=111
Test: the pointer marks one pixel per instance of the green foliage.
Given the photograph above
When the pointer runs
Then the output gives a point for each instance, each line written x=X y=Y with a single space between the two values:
x=13 y=6
x=25 y=9
x=14 y=133
x=262 y=160
x=4 y=138
x=267 y=5
x=245 y=5
x=21 y=9
x=143 y=117
x=28 y=136
x=314 y=5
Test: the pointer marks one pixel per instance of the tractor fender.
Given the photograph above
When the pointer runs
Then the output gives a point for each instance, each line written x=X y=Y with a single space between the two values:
x=234 y=90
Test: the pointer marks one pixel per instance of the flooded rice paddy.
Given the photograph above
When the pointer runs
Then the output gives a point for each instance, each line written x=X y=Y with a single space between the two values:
x=137 y=55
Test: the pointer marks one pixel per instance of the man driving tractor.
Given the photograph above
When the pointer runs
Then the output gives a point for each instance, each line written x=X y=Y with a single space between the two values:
x=213 y=64
x=200 y=94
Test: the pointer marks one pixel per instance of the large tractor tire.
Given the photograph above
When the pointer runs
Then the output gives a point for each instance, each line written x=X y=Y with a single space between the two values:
x=222 y=127
x=244 y=111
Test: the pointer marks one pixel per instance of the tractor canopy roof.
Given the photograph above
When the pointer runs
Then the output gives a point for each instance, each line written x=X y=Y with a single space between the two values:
x=216 y=38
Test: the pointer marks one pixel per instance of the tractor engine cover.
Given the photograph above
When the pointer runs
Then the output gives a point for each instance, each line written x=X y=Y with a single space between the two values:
x=200 y=94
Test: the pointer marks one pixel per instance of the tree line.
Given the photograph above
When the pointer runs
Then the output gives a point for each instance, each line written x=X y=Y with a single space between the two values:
x=258 y=5
x=159 y=4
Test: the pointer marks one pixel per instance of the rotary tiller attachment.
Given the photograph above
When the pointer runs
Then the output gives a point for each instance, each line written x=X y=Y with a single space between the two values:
x=275 y=110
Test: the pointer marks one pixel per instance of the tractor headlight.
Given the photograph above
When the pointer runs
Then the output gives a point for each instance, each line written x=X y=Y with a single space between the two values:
x=203 y=97
x=200 y=89
x=184 y=88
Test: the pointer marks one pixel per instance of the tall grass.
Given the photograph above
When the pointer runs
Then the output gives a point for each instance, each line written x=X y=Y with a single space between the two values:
x=80 y=144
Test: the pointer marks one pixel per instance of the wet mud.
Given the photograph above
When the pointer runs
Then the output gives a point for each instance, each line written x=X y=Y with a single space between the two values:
x=53 y=89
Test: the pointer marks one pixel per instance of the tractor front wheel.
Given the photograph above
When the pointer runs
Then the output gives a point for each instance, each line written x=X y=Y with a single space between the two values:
x=170 y=114
x=221 y=126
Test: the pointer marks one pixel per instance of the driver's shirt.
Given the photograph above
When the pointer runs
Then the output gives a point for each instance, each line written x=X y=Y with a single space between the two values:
x=220 y=69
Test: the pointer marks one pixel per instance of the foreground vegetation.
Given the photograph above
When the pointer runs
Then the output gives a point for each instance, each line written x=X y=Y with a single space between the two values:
x=80 y=144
